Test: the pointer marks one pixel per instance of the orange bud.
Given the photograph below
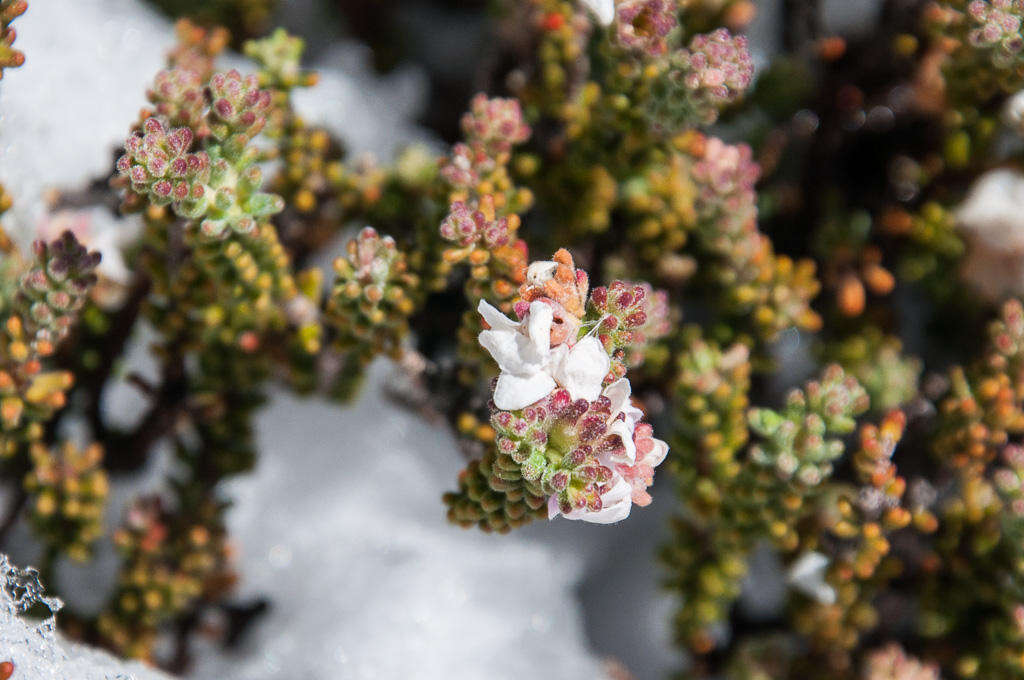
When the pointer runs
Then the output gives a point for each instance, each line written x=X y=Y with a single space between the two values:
x=831 y=48
x=851 y=297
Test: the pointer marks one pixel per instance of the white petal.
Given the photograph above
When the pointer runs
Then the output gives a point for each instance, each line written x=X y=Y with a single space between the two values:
x=495 y=319
x=540 y=272
x=583 y=369
x=538 y=327
x=553 y=510
x=625 y=432
x=657 y=455
x=604 y=10
x=507 y=349
x=616 y=503
x=514 y=392
x=807 y=575
x=618 y=392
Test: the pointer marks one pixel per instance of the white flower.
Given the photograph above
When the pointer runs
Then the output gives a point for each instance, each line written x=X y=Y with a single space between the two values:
x=619 y=393
x=582 y=368
x=604 y=10
x=522 y=350
x=616 y=503
x=992 y=219
x=807 y=575
x=530 y=368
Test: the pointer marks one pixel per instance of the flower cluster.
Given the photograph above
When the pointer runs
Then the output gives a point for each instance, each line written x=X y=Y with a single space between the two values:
x=643 y=25
x=996 y=29
x=370 y=304
x=566 y=428
x=38 y=313
x=494 y=125
x=68 y=490
x=772 y=291
x=166 y=567
x=698 y=82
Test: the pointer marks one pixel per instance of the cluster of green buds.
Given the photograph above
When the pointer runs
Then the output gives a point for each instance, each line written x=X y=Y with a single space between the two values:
x=799 y=445
x=631 y=316
x=166 y=567
x=984 y=45
x=370 y=304
x=661 y=205
x=732 y=504
x=9 y=11
x=311 y=172
x=67 y=488
x=696 y=83
x=210 y=176
x=706 y=560
x=880 y=365
x=36 y=316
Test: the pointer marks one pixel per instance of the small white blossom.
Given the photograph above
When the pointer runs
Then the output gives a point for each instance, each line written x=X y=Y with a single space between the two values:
x=582 y=368
x=619 y=393
x=807 y=575
x=530 y=367
x=522 y=350
x=616 y=503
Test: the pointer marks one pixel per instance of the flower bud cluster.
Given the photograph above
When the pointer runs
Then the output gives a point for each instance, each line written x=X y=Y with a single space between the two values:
x=494 y=125
x=370 y=304
x=166 y=567
x=769 y=290
x=42 y=303
x=644 y=25
x=177 y=96
x=67 y=489
x=210 y=177
x=478 y=166
x=696 y=83
x=631 y=315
